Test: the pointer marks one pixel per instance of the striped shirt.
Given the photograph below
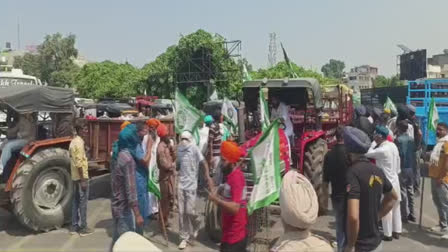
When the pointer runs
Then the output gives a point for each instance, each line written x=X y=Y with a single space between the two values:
x=215 y=139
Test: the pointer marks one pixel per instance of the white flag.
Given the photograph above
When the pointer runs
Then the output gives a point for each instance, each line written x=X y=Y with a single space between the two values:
x=265 y=158
x=230 y=115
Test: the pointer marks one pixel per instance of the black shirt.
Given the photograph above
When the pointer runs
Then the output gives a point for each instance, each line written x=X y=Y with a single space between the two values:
x=335 y=171
x=367 y=183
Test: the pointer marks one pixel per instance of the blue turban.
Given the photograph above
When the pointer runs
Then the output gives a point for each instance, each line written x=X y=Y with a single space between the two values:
x=361 y=110
x=381 y=130
x=355 y=140
x=411 y=108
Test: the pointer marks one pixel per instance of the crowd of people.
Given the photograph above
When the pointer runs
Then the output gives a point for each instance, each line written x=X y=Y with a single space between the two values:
x=374 y=171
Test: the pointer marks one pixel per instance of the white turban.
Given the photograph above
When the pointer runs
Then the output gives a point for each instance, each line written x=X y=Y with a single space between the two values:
x=187 y=136
x=298 y=201
x=131 y=241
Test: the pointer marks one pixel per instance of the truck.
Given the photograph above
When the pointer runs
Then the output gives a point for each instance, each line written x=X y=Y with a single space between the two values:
x=420 y=94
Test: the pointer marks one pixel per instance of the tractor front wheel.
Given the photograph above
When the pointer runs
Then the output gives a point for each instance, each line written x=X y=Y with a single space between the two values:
x=313 y=169
x=42 y=190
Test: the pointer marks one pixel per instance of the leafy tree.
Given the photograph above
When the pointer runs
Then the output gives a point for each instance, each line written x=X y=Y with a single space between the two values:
x=109 y=79
x=53 y=62
x=333 y=69
x=186 y=57
x=281 y=70
x=382 y=81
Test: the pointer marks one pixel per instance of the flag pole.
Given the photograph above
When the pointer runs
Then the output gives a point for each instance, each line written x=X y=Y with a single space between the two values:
x=422 y=191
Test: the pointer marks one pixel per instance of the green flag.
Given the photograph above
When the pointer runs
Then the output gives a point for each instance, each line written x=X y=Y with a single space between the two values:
x=389 y=104
x=264 y=111
x=187 y=117
x=433 y=116
x=288 y=62
x=265 y=165
x=246 y=75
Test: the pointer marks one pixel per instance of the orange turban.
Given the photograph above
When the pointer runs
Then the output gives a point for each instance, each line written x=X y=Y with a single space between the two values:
x=153 y=123
x=230 y=151
x=124 y=124
x=162 y=130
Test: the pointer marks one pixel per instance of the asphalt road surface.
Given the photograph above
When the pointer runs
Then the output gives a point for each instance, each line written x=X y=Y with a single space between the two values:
x=13 y=237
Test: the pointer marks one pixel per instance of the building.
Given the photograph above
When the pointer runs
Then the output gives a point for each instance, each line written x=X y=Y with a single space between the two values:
x=361 y=77
x=437 y=66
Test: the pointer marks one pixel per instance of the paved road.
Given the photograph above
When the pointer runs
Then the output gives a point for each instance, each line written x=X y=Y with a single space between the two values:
x=13 y=237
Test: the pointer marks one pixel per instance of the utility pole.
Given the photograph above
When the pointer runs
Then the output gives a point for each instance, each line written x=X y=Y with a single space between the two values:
x=272 y=56
x=18 y=33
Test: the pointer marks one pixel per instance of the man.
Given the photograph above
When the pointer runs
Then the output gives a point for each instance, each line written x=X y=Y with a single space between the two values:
x=418 y=139
x=280 y=110
x=438 y=171
x=299 y=205
x=362 y=122
x=232 y=200
x=387 y=158
x=166 y=164
x=150 y=143
x=124 y=201
x=19 y=136
x=366 y=185
x=335 y=171
x=406 y=149
x=80 y=177
x=214 y=153
x=189 y=157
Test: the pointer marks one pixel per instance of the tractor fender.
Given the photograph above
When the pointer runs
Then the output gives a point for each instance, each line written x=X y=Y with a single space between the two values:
x=33 y=147
x=308 y=137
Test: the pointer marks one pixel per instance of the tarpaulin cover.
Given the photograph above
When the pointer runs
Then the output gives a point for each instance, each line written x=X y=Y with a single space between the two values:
x=28 y=99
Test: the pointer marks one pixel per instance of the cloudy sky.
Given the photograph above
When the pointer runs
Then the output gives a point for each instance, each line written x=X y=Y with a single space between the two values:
x=313 y=31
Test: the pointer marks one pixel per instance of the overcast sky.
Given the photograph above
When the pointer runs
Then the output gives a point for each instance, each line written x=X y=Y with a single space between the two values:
x=313 y=31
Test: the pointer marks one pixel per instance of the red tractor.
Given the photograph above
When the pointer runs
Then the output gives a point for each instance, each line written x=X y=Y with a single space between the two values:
x=36 y=184
x=315 y=113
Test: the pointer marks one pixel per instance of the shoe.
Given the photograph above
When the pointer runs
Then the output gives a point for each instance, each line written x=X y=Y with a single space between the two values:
x=85 y=232
x=444 y=237
x=439 y=229
x=74 y=230
x=396 y=236
x=388 y=238
x=195 y=234
x=412 y=218
x=183 y=244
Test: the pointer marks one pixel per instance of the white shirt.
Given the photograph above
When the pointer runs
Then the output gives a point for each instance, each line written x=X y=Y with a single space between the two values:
x=282 y=111
x=387 y=159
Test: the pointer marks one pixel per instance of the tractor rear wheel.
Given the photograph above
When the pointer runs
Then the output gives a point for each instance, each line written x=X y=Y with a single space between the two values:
x=313 y=169
x=41 y=192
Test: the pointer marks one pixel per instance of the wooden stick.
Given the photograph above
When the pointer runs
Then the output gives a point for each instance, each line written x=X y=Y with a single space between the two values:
x=162 y=223
x=421 y=203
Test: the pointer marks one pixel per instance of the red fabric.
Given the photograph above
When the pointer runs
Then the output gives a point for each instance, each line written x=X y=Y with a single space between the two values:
x=390 y=139
x=162 y=130
x=234 y=226
x=153 y=123
x=284 y=148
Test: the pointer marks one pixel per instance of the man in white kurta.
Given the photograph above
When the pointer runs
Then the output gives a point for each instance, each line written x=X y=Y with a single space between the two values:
x=387 y=158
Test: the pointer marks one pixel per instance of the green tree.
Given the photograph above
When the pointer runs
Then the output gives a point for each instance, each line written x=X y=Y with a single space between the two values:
x=333 y=69
x=53 y=62
x=109 y=79
x=185 y=57
x=281 y=70
x=382 y=81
